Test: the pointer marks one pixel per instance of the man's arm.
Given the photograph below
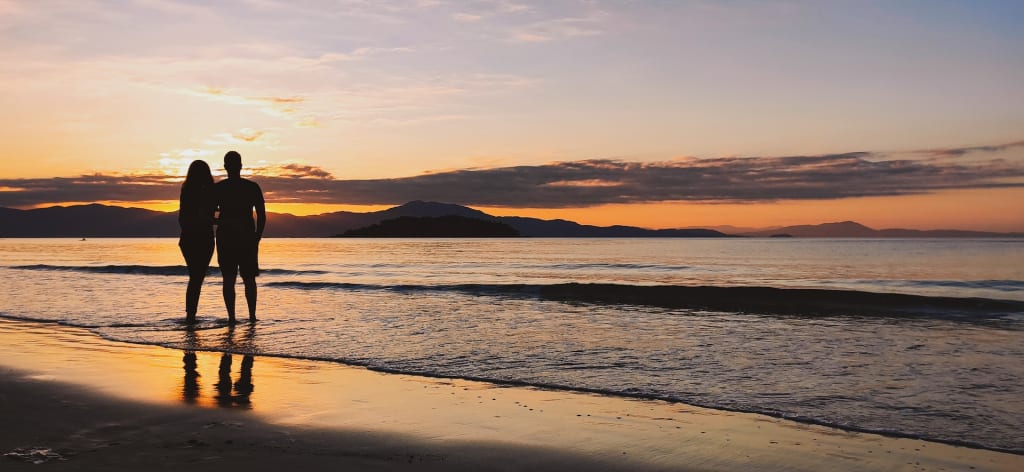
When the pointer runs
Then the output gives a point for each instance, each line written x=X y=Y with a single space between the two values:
x=261 y=213
x=215 y=203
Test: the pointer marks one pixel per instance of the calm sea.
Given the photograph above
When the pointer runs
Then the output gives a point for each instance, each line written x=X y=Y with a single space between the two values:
x=943 y=362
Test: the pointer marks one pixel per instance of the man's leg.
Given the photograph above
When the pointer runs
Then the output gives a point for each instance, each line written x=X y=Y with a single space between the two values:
x=250 y=295
x=249 y=268
x=229 y=273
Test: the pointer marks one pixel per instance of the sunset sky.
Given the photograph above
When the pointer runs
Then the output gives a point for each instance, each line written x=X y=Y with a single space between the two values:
x=649 y=113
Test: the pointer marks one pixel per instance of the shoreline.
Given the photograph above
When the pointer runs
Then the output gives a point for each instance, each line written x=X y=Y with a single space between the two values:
x=243 y=326
x=332 y=412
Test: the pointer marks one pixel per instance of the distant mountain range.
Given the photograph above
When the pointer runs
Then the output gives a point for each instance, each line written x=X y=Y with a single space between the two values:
x=92 y=221
x=97 y=221
x=852 y=229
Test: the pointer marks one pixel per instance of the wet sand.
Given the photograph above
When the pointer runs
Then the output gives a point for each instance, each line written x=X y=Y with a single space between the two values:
x=102 y=405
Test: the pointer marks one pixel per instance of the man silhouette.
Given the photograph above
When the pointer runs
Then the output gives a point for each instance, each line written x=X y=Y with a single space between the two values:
x=238 y=236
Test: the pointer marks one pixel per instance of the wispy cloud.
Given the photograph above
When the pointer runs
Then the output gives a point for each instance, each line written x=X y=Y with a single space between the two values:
x=248 y=135
x=467 y=17
x=302 y=171
x=272 y=105
x=596 y=182
x=242 y=136
x=577 y=183
x=283 y=106
x=87 y=188
x=561 y=28
x=955 y=152
x=161 y=184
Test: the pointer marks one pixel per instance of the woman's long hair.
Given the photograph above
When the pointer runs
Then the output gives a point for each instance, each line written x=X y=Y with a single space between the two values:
x=198 y=177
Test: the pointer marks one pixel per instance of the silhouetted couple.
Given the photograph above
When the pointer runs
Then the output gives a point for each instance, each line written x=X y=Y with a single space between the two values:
x=228 y=204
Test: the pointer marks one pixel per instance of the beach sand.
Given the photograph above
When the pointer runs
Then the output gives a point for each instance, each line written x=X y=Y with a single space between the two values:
x=93 y=404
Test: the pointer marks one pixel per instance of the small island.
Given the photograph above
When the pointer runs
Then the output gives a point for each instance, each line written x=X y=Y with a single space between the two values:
x=450 y=226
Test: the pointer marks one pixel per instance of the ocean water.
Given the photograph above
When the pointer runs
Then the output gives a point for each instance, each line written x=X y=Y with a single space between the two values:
x=787 y=327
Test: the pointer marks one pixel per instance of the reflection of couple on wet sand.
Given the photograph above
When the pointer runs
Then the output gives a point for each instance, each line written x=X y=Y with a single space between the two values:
x=224 y=396
x=228 y=204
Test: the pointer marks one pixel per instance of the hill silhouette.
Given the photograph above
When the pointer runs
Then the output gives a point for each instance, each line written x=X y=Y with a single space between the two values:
x=852 y=229
x=448 y=226
x=92 y=220
x=95 y=220
x=844 y=229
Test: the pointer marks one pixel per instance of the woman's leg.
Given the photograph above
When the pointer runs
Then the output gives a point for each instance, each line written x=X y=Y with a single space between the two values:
x=197 y=257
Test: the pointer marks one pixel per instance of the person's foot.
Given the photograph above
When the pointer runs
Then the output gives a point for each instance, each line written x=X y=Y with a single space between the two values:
x=190 y=318
x=252 y=318
x=232 y=320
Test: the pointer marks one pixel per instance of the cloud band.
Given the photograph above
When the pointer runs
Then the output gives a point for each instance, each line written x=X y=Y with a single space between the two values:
x=574 y=184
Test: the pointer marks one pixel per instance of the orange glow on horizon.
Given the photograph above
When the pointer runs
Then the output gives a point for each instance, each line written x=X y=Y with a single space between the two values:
x=996 y=210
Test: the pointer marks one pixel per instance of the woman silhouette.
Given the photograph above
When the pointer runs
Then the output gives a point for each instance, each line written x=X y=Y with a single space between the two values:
x=195 y=216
